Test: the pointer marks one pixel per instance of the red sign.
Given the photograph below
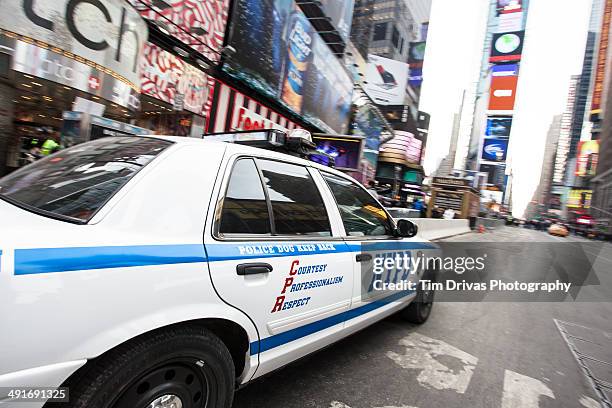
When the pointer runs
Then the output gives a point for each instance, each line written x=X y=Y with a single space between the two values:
x=503 y=93
x=197 y=23
x=233 y=110
x=94 y=83
x=169 y=78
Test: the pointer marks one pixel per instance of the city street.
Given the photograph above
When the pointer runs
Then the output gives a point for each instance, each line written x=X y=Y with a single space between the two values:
x=467 y=355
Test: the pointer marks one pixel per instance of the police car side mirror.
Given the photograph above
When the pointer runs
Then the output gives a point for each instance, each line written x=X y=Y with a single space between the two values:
x=406 y=229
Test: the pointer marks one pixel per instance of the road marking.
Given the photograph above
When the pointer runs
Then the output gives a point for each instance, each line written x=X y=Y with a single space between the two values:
x=589 y=402
x=338 y=404
x=424 y=353
x=521 y=391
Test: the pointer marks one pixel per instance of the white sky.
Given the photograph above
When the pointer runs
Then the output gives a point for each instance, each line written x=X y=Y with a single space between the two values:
x=452 y=64
x=553 y=51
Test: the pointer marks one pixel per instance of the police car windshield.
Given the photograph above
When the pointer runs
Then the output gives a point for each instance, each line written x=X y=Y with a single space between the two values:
x=74 y=183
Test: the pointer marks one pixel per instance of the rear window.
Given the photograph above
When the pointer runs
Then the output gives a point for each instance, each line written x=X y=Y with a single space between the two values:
x=74 y=183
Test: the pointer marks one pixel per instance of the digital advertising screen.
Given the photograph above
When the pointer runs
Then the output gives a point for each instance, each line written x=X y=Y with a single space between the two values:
x=346 y=151
x=507 y=46
x=416 y=54
x=503 y=93
x=280 y=54
x=588 y=154
x=500 y=70
x=495 y=149
x=498 y=126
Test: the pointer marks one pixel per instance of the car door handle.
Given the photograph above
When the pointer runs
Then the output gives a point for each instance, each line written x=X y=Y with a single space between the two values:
x=363 y=257
x=253 y=268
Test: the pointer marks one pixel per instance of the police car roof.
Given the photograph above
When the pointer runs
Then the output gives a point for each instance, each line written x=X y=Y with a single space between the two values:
x=234 y=148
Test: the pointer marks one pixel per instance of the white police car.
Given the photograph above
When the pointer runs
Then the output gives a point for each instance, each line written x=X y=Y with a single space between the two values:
x=164 y=271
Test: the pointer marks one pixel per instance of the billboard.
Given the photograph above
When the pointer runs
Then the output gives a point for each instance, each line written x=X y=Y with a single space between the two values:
x=505 y=70
x=368 y=124
x=509 y=5
x=602 y=57
x=43 y=62
x=495 y=149
x=498 y=126
x=170 y=79
x=586 y=162
x=341 y=15
x=106 y=36
x=198 y=23
x=346 y=151
x=386 y=80
x=510 y=21
x=415 y=78
x=402 y=149
x=502 y=93
x=507 y=46
x=279 y=53
x=232 y=110
x=579 y=198
x=416 y=54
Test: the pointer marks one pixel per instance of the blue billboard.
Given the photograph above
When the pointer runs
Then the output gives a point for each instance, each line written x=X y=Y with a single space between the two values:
x=498 y=126
x=495 y=149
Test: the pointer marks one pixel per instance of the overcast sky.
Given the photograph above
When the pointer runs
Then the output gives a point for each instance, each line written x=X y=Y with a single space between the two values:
x=553 y=51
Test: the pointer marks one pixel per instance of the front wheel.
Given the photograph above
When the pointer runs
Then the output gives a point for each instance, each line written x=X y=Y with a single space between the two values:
x=185 y=367
x=419 y=309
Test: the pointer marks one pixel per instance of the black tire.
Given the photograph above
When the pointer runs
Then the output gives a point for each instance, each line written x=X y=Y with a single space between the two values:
x=185 y=362
x=419 y=310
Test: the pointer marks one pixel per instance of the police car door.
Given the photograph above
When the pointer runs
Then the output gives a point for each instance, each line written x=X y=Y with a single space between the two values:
x=276 y=255
x=368 y=230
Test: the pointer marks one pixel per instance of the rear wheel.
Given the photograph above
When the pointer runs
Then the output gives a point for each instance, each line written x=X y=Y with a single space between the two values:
x=186 y=367
x=419 y=310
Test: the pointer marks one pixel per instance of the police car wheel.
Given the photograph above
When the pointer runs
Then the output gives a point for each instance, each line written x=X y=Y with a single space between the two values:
x=419 y=309
x=179 y=368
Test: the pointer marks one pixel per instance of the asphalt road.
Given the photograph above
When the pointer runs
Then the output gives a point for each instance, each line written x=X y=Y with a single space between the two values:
x=477 y=355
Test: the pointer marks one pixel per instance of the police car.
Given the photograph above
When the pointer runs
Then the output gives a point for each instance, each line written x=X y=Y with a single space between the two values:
x=146 y=272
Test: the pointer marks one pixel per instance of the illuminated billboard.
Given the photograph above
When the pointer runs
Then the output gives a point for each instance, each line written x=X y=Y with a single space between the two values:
x=346 y=150
x=586 y=162
x=495 y=149
x=280 y=54
x=507 y=46
x=404 y=148
x=498 y=126
x=505 y=70
x=502 y=93
x=200 y=24
x=602 y=58
x=578 y=198
x=416 y=54
x=168 y=78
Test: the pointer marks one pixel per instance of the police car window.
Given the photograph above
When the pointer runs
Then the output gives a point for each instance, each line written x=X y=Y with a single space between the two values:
x=297 y=205
x=74 y=183
x=361 y=214
x=245 y=210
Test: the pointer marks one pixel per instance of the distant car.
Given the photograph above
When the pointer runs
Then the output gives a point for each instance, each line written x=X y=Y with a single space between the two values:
x=558 y=230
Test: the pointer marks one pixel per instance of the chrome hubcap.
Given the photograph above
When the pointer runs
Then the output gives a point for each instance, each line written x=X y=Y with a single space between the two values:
x=166 y=401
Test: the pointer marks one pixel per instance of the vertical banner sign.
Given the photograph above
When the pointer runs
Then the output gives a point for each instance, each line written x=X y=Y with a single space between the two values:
x=602 y=55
